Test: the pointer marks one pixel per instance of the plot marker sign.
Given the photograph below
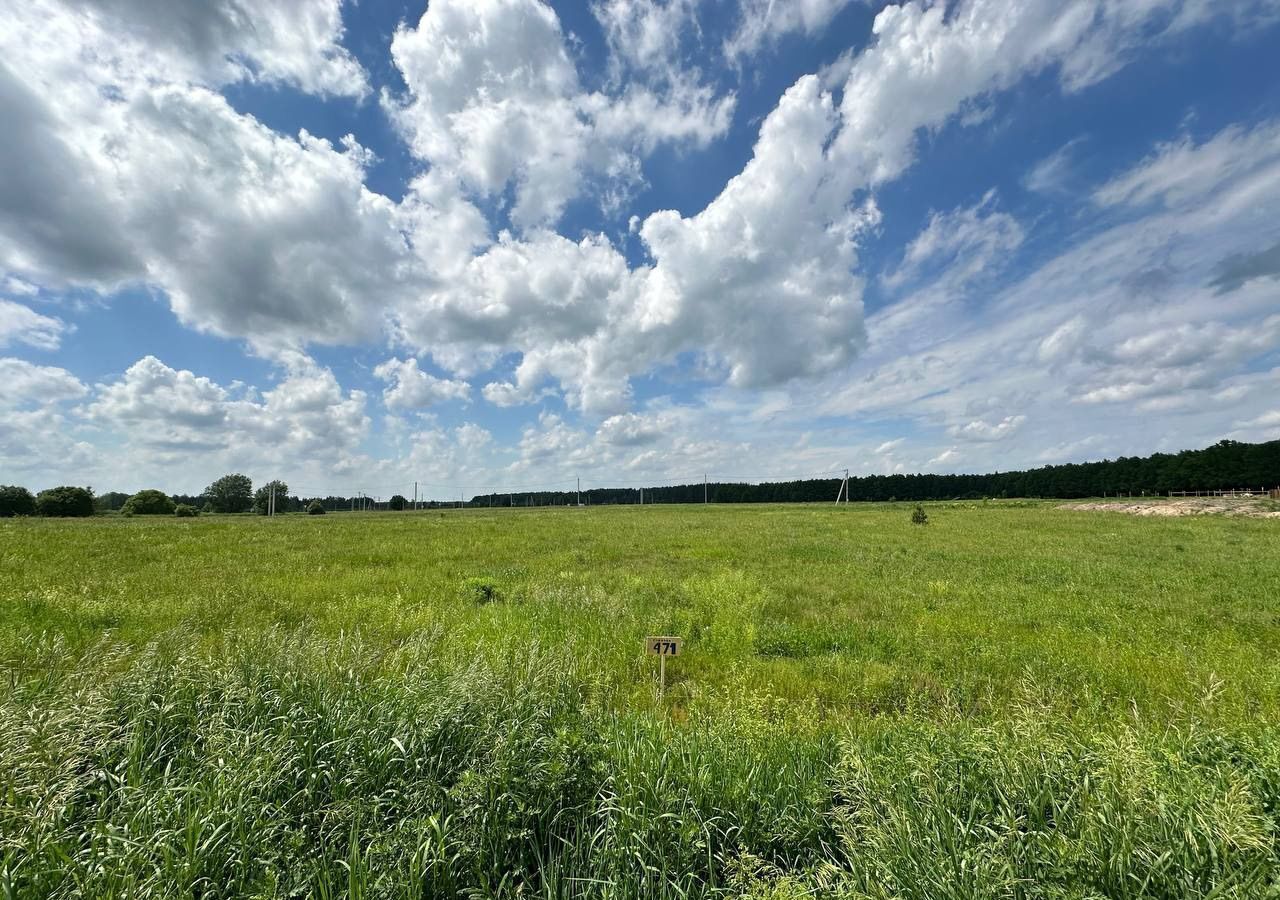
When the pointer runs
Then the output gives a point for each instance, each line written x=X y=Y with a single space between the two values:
x=663 y=646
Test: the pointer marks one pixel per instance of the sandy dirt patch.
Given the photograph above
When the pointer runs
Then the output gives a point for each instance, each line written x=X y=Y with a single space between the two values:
x=1248 y=507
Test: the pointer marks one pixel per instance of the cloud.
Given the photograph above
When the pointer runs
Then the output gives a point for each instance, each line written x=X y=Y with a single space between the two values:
x=1054 y=173
x=134 y=175
x=472 y=437
x=760 y=287
x=1174 y=359
x=1240 y=268
x=39 y=444
x=1182 y=172
x=1064 y=341
x=164 y=415
x=296 y=42
x=56 y=224
x=763 y=22
x=646 y=35
x=946 y=458
x=164 y=401
x=928 y=62
x=38 y=439
x=1268 y=420
x=762 y=279
x=1069 y=450
x=967 y=242
x=986 y=432
x=634 y=430
x=1079 y=331
x=494 y=99
x=659 y=445
x=139 y=172
x=25 y=384
x=411 y=388
x=22 y=325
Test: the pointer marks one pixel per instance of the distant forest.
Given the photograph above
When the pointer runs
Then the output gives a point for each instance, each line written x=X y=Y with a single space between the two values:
x=1224 y=466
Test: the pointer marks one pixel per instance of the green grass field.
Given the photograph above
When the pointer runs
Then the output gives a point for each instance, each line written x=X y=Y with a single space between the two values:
x=1012 y=701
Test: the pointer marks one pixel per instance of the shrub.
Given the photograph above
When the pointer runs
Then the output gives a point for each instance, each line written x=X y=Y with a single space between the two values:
x=315 y=508
x=16 y=500
x=919 y=516
x=397 y=502
x=65 y=501
x=185 y=511
x=148 y=503
x=481 y=590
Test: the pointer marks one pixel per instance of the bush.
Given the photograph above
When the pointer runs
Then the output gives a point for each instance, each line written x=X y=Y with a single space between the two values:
x=65 y=501
x=185 y=511
x=148 y=503
x=397 y=502
x=919 y=516
x=16 y=500
x=315 y=508
x=481 y=590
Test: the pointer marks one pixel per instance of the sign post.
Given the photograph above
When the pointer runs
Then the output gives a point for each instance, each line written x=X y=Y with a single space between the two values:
x=663 y=646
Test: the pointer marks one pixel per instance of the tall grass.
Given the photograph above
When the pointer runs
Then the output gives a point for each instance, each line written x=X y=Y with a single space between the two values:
x=341 y=714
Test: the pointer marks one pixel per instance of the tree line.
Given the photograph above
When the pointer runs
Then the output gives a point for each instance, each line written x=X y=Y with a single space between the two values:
x=232 y=493
x=1224 y=466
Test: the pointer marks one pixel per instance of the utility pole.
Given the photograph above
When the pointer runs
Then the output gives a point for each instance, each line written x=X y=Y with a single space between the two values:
x=704 y=487
x=579 y=492
x=271 y=500
x=415 y=496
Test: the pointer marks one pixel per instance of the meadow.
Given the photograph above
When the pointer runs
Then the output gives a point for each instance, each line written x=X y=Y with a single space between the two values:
x=1014 y=700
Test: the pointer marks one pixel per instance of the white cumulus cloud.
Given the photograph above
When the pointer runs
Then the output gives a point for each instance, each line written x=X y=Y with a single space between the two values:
x=412 y=388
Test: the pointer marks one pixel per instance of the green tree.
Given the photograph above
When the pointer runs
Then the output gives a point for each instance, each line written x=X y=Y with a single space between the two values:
x=919 y=516
x=111 y=500
x=16 y=500
x=185 y=511
x=315 y=508
x=263 y=496
x=149 y=503
x=229 y=494
x=65 y=501
x=397 y=501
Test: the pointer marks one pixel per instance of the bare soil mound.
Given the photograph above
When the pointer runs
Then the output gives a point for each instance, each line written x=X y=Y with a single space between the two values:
x=1249 y=507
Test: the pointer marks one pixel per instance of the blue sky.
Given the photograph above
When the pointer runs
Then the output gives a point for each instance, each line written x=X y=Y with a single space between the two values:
x=504 y=243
